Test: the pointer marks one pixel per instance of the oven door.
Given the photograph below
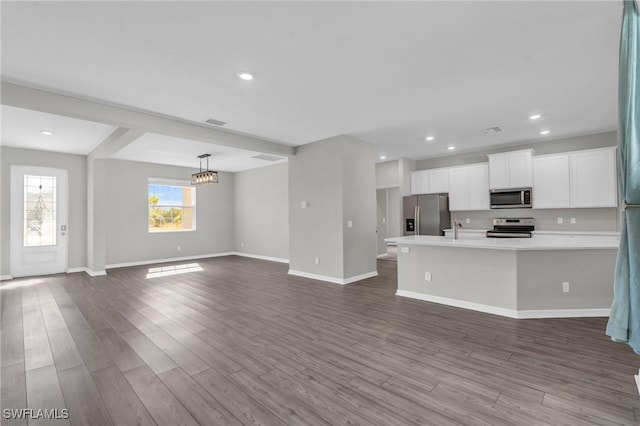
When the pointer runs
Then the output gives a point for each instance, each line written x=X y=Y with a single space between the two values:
x=510 y=198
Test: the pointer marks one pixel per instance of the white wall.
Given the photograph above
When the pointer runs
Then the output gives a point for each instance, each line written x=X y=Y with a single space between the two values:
x=128 y=238
x=261 y=200
x=77 y=226
x=336 y=177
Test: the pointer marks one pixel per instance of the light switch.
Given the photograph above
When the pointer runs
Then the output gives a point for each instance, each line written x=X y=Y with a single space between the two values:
x=349 y=224
x=573 y=220
x=560 y=221
x=304 y=204
x=404 y=249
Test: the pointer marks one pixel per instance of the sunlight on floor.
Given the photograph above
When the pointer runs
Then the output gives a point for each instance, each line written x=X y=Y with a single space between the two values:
x=20 y=283
x=165 y=271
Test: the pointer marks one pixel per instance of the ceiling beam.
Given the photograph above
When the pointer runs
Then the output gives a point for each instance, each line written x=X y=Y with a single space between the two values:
x=143 y=121
x=113 y=143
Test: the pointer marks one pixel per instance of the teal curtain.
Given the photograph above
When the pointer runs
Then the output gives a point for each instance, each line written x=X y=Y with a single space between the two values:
x=624 y=321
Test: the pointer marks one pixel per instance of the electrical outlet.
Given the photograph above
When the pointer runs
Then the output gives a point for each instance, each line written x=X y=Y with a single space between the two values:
x=178 y=248
x=573 y=220
x=242 y=244
x=565 y=287
x=349 y=224
x=467 y=220
x=427 y=276
x=304 y=204
x=384 y=220
x=560 y=221
x=404 y=249
x=317 y=260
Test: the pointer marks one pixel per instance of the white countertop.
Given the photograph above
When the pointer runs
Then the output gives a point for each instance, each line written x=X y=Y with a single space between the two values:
x=559 y=242
x=615 y=234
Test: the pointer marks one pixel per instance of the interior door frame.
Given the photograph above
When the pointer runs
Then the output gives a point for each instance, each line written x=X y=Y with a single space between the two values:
x=16 y=217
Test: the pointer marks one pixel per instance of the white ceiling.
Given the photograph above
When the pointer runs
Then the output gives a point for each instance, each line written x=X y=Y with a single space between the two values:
x=160 y=149
x=389 y=73
x=21 y=128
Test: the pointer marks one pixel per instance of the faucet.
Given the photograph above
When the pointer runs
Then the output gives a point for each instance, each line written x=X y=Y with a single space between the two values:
x=456 y=226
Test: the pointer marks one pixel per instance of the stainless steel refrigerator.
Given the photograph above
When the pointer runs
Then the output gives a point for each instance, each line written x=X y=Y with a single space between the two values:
x=426 y=214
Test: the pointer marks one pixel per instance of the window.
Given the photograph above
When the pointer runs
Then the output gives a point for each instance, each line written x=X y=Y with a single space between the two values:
x=172 y=206
x=39 y=228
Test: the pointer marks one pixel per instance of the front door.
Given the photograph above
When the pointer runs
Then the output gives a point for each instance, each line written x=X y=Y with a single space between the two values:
x=38 y=221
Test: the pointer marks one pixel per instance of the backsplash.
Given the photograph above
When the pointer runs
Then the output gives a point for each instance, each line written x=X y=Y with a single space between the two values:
x=601 y=219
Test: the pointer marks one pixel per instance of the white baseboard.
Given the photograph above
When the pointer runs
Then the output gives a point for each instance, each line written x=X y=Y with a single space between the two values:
x=6 y=277
x=75 y=270
x=261 y=257
x=95 y=273
x=564 y=313
x=333 y=280
x=505 y=312
x=171 y=259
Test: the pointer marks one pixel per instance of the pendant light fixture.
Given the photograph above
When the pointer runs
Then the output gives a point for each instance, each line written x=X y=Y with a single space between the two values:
x=204 y=177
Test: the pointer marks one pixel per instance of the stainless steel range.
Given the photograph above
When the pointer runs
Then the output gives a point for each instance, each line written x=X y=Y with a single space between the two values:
x=512 y=227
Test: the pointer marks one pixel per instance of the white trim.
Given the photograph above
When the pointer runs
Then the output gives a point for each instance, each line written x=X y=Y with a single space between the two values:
x=6 y=277
x=171 y=259
x=382 y=255
x=95 y=273
x=261 y=257
x=74 y=270
x=505 y=312
x=334 y=280
x=564 y=313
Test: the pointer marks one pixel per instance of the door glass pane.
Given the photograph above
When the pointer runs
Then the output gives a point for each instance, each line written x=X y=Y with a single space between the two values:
x=40 y=224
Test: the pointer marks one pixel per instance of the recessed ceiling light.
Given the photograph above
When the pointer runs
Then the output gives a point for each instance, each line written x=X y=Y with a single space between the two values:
x=451 y=148
x=383 y=157
x=534 y=116
x=430 y=138
x=47 y=132
x=545 y=132
x=245 y=75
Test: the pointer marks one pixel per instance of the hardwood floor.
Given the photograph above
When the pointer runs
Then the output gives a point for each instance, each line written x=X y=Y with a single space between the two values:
x=242 y=342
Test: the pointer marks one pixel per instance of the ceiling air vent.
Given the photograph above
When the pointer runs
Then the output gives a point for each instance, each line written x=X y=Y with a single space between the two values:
x=268 y=157
x=495 y=129
x=216 y=122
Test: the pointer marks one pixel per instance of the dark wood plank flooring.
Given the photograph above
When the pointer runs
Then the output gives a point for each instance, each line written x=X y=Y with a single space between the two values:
x=242 y=342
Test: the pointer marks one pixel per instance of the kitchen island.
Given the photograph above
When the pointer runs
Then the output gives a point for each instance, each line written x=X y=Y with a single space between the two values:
x=513 y=277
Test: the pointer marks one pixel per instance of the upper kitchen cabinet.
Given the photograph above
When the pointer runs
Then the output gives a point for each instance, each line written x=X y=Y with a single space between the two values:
x=551 y=183
x=575 y=179
x=469 y=187
x=419 y=182
x=511 y=169
x=433 y=181
x=593 y=178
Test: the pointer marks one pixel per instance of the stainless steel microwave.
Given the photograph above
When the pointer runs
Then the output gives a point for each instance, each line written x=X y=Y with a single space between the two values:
x=513 y=198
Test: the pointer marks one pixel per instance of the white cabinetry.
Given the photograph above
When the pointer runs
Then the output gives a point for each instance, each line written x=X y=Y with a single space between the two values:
x=469 y=187
x=420 y=182
x=431 y=181
x=511 y=169
x=575 y=179
x=551 y=187
x=593 y=178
